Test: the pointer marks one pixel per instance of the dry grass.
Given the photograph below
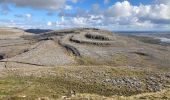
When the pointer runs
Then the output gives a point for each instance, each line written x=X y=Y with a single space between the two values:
x=51 y=83
x=163 y=95
x=124 y=72
x=6 y=33
x=52 y=87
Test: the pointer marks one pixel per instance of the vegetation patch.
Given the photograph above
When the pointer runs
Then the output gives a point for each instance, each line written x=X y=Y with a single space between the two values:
x=32 y=87
x=141 y=53
x=86 y=61
x=128 y=72
x=52 y=87
x=97 y=37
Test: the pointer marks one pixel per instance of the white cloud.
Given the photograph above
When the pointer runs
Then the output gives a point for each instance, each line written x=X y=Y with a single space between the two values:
x=25 y=16
x=124 y=13
x=49 y=23
x=28 y=15
x=68 y=7
x=158 y=11
x=121 y=15
x=120 y=9
x=163 y=2
x=79 y=21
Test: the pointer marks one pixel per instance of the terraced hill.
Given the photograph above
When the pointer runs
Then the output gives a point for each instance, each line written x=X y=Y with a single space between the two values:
x=94 y=60
x=86 y=46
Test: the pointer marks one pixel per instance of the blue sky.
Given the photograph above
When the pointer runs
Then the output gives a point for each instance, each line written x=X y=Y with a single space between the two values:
x=104 y=14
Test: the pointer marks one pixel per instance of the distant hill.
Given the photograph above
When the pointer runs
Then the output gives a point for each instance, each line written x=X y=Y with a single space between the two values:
x=9 y=32
x=38 y=31
x=163 y=35
x=142 y=32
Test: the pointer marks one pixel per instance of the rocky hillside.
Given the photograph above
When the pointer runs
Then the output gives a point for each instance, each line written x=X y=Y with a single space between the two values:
x=82 y=60
x=80 y=46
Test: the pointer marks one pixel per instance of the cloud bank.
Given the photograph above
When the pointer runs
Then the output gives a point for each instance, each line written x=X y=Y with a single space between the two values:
x=122 y=14
x=119 y=15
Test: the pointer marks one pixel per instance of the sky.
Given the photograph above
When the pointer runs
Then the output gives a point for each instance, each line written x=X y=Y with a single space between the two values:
x=116 y=15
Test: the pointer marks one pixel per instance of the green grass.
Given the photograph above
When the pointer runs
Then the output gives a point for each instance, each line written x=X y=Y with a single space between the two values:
x=18 y=86
x=128 y=72
x=87 y=61
x=52 y=87
x=31 y=87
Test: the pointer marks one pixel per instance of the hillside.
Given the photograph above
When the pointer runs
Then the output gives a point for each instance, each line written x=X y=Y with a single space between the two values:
x=81 y=62
x=11 y=33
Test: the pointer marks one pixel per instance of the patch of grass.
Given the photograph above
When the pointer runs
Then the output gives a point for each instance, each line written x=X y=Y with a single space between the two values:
x=9 y=85
x=128 y=72
x=163 y=95
x=53 y=87
x=87 y=61
x=120 y=59
x=17 y=86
